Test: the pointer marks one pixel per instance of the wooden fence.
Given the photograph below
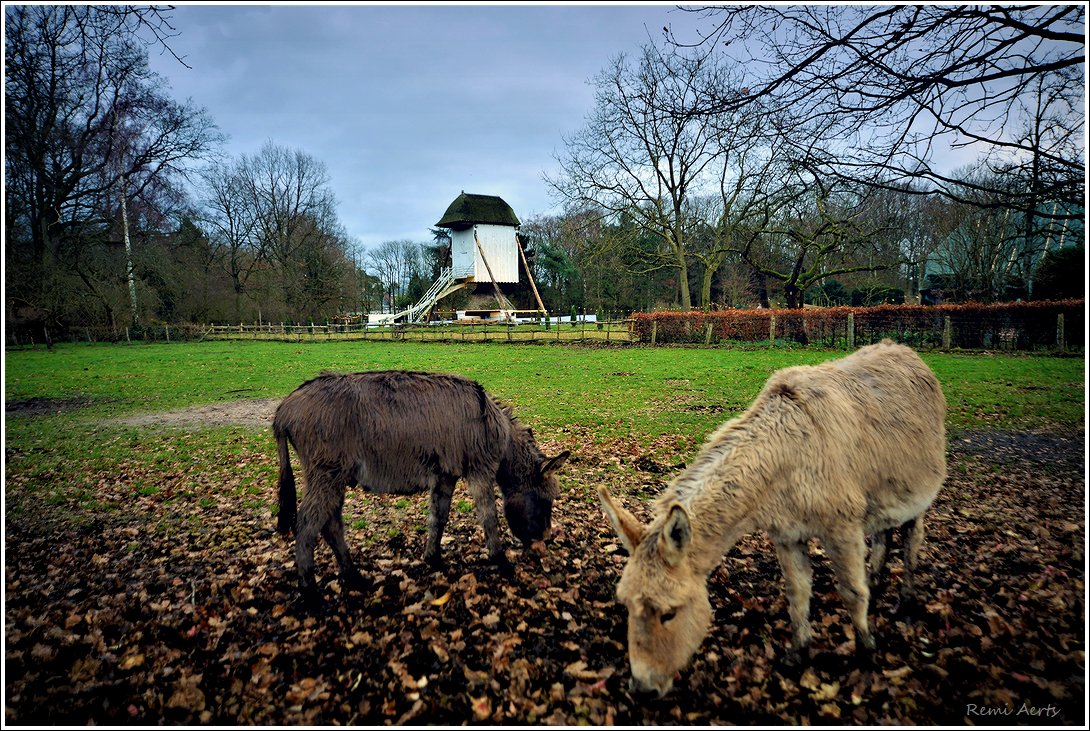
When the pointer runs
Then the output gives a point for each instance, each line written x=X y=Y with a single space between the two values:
x=1032 y=326
x=580 y=330
x=1009 y=326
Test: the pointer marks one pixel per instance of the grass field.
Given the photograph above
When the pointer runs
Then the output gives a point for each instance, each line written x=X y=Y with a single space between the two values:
x=661 y=401
x=638 y=391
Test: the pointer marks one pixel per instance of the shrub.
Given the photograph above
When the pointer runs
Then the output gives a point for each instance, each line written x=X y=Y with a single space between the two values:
x=1014 y=325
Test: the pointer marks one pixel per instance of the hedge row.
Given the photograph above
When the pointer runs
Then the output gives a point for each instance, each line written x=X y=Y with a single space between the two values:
x=1008 y=326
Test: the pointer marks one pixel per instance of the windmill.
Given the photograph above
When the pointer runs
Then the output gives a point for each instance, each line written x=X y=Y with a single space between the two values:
x=485 y=247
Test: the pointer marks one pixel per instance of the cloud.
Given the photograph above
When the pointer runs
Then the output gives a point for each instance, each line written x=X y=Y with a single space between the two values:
x=406 y=105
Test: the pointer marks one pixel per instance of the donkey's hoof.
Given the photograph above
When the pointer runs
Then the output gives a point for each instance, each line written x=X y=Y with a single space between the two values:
x=504 y=566
x=355 y=581
x=312 y=603
x=906 y=605
x=499 y=564
x=866 y=651
x=796 y=657
x=436 y=562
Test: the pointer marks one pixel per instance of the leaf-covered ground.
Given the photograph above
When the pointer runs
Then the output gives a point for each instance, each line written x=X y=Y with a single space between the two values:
x=182 y=609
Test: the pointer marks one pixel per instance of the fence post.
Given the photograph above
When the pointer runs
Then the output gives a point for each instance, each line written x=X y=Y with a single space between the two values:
x=947 y=333
x=654 y=330
x=771 y=330
x=851 y=331
x=1060 y=340
x=708 y=333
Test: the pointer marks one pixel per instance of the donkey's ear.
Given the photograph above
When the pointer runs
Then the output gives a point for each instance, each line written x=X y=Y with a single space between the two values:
x=552 y=464
x=628 y=528
x=677 y=534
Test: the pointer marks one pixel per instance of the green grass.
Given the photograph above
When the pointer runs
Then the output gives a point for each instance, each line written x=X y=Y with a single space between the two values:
x=611 y=391
x=664 y=400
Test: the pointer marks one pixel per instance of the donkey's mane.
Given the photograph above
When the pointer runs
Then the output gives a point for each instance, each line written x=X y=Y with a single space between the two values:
x=719 y=448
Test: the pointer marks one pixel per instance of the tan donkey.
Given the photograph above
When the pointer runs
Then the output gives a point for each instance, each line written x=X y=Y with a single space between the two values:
x=838 y=451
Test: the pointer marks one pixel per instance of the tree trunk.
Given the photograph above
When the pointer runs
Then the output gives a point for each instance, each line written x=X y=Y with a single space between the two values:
x=706 y=288
x=238 y=299
x=795 y=296
x=683 y=285
x=758 y=287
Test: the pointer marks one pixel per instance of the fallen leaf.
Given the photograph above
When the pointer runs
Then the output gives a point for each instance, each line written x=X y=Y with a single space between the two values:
x=482 y=707
x=134 y=660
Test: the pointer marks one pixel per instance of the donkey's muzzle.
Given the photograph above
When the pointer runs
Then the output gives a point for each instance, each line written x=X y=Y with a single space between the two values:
x=639 y=688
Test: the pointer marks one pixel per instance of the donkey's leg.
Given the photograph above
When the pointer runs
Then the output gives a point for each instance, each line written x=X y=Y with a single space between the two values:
x=847 y=550
x=320 y=501
x=438 y=512
x=333 y=532
x=912 y=535
x=484 y=497
x=879 y=553
x=798 y=577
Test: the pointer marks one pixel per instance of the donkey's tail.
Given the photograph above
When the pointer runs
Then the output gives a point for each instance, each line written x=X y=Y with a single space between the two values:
x=285 y=518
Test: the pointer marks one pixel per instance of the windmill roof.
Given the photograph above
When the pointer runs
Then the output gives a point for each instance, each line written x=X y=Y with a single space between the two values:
x=471 y=208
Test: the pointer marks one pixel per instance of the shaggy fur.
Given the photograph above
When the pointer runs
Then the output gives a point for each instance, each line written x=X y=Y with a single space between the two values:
x=403 y=432
x=837 y=451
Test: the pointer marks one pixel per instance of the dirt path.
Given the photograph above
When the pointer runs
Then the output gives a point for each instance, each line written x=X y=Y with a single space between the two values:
x=244 y=412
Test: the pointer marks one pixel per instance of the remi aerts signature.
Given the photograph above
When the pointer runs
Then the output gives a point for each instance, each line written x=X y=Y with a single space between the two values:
x=1025 y=710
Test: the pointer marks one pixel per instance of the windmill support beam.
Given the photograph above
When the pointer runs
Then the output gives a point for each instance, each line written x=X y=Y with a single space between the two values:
x=529 y=275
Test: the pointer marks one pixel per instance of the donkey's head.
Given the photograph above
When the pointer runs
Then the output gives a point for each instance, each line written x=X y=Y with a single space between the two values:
x=666 y=595
x=527 y=479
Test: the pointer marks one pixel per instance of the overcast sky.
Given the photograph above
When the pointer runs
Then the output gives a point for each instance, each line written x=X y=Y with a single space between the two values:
x=407 y=105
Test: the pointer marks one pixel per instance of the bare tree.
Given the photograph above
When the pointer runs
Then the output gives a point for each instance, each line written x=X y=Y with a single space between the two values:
x=982 y=253
x=88 y=126
x=906 y=82
x=819 y=230
x=552 y=262
x=638 y=159
x=293 y=211
x=368 y=287
x=744 y=193
x=322 y=283
x=395 y=263
x=229 y=218
x=272 y=224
